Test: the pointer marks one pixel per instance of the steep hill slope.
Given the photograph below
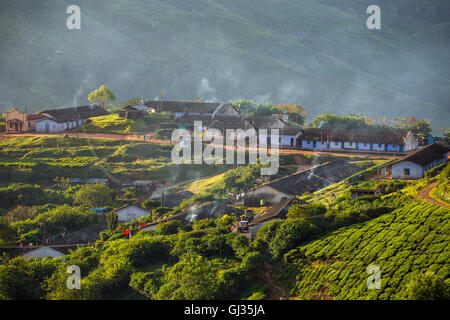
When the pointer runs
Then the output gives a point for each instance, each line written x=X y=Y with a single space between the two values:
x=411 y=240
x=260 y=49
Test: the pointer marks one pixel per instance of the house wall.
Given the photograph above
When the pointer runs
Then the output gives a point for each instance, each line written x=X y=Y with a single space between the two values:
x=57 y=126
x=269 y=194
x=273 y=140
x=321 y=145
x=436 y=163
x=411 y=142
x=363 y=146
x=393 y=147
x=32 y=125
x=415 y=171
x=52 y=126
x=349 y=145
x=16 y=114
x=286 y=141
x=335 y=145
x=307 y=144
x=378 y=146
x=130 y=213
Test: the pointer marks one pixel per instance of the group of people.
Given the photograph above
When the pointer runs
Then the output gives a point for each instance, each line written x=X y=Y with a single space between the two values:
x=47 y=241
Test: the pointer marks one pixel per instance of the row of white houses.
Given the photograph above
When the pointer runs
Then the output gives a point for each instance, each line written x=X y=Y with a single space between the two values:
x=50 y=121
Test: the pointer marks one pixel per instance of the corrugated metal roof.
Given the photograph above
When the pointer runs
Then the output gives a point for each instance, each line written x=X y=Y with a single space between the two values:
x=75 y=113
x=424 y=156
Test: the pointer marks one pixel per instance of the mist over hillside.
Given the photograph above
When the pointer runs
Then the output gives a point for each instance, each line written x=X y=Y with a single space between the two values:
x=319 y=54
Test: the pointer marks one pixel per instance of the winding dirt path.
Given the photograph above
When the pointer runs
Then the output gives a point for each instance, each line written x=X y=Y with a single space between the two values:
x=424 y=195
x=275 y=291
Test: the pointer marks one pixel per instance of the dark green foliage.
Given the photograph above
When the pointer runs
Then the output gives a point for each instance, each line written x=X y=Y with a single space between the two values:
x=22 y=279
x=54 y=221
x=94 y=195
x=427 y=287
x=150 y=204
x=147 y=283
x=29 y=195
x=170 y=227
x=112 y=219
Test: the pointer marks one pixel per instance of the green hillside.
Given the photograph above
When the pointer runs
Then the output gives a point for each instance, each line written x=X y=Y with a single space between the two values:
x=259 y=49
x=407 y=242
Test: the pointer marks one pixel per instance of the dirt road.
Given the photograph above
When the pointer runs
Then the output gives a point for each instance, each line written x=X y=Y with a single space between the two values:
x=424 y=195
x=116 y=136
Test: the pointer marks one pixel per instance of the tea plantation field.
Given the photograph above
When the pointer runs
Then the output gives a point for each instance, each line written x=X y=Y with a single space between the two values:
x=409 y=241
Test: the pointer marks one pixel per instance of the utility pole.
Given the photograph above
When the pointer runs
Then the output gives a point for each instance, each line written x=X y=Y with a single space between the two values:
x=160 y=101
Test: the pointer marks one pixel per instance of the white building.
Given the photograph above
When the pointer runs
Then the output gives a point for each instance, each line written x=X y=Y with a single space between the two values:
x=388 y=140
x=68 y=118
x=415 y=165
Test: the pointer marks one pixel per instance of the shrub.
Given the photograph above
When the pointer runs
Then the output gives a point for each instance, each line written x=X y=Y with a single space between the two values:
x=427 y=287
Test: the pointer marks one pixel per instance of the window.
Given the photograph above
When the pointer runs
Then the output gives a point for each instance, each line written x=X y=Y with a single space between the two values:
x=406 y=171
x=10 y=125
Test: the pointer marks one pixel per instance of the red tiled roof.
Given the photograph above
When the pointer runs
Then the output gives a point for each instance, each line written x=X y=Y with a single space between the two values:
x=38 y=116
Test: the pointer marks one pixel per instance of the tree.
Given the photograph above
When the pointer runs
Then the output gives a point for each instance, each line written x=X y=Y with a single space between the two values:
x=193 y=278
x=295 y=112
x=20 y=213
x=112 y=218
x=306 y=211
x=169 y=227
x=131 y=193
x=150 y=204
x=428 y=286
x=351 y=121
x=422 y=128
x=94 y=195
x=447 y=136
x=6 y=233
x=102 y=96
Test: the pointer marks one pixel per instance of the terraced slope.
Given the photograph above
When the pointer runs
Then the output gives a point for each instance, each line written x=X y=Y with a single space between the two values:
x=411 y=240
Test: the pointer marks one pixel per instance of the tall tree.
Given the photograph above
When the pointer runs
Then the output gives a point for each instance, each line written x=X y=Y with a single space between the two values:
x=94 y=195
x=102 y=96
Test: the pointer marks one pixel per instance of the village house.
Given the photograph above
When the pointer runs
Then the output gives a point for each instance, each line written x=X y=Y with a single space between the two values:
x=135 y=112
x=276 y=211
x=58 y=120
x=221 y=122
x=387 y=140
x=16 y=121
x=288 y=136
x=414 y=165
x=32 y=119
x=180 y=108
x=308 y=180
x=131 y=212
